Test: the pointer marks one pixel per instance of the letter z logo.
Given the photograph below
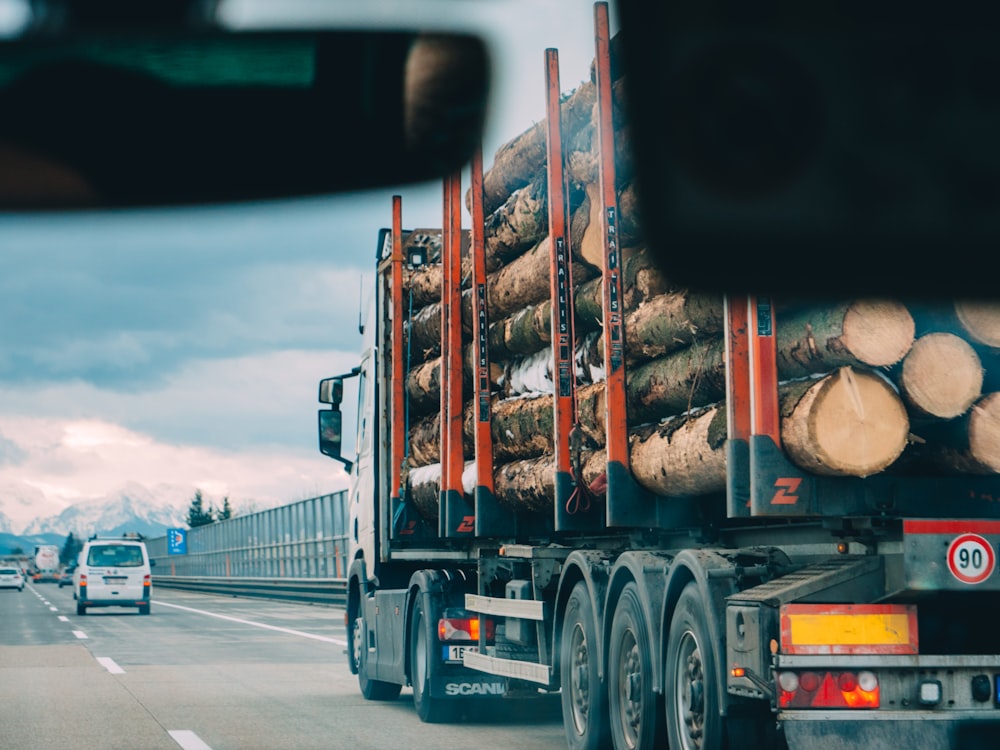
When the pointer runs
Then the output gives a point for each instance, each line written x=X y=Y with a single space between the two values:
x=786 y=488
x=467 y=526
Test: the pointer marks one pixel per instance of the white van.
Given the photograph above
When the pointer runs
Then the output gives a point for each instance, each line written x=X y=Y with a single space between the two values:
x=113 y=572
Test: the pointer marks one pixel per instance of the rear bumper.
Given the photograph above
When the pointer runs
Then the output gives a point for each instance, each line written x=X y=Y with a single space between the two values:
x=849 y=730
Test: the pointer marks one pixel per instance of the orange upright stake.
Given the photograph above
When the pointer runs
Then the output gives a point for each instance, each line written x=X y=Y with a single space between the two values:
x=456 y=515
x=738 y=405
x=398 y=419
x=570 y=501
x=627 y=504
x=491 y=518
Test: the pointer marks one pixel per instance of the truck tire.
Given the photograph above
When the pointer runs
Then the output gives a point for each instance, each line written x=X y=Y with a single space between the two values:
x=143 y=609
x=692 y=703
x=372 y=690
x=584 y=695
x=80 y=609
x=430 y=709
x=636 y=712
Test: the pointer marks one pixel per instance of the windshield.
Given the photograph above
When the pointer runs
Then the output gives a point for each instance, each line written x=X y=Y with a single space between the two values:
x=115 y=555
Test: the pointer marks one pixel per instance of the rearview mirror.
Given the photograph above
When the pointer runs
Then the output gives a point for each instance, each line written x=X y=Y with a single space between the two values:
x=330 y=435
x=140 y=117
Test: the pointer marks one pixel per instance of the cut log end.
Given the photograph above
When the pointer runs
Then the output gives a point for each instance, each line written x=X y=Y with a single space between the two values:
x=878 y=333
x=849 y=423
x=941 y=376
x=981 y=320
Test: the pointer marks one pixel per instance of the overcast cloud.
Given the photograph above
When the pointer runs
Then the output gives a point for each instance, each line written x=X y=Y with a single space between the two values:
x=184 y=348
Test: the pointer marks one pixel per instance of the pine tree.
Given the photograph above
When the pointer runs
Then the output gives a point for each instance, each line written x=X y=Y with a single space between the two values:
x=226 y=511
x=71 y=548
x=197 y=515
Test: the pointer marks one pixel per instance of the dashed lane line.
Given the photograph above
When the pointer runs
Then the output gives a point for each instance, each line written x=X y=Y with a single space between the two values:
x=109 y=664
x=188 y=739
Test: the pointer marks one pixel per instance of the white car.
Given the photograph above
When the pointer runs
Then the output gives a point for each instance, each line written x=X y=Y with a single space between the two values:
x=11 y=578
x=113 y=573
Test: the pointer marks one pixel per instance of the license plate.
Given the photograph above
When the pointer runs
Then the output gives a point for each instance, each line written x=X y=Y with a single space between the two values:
x=455 y=653
x=113 y=580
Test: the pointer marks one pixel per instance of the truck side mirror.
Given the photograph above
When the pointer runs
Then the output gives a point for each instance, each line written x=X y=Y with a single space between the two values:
x=331 y=391
x=330 y=435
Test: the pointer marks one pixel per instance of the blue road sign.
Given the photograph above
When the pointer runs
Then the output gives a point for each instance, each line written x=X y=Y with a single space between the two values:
x=176 y=541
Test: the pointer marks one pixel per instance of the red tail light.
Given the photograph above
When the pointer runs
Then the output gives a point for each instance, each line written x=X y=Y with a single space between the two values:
x=147 y=580
x=463 y=629
x=828 y=689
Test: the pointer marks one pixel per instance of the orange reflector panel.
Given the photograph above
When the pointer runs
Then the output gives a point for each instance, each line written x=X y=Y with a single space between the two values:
x=849 y=629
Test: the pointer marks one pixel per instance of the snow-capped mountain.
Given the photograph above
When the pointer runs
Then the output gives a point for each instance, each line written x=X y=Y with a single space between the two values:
x=134 y=507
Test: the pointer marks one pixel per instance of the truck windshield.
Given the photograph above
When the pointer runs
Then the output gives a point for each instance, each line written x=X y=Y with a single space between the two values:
x=120 y=555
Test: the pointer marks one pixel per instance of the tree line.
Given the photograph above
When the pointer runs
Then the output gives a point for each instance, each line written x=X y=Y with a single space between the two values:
x=200 y=515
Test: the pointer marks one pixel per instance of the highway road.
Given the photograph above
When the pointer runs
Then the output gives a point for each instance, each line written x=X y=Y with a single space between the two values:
x=207 y=672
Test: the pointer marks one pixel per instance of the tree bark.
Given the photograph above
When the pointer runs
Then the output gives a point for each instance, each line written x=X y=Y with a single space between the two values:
x=940 y=377
x=519 y=224
x=527 y=485
x=684 y=455
x=851 y=422
x=692 y=377
x=873 y=333
x=671 y=321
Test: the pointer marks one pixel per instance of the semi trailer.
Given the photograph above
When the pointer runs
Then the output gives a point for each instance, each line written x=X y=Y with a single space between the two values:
x=702 y=521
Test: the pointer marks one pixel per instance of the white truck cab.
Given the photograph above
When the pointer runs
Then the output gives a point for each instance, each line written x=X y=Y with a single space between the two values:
x=113 y=572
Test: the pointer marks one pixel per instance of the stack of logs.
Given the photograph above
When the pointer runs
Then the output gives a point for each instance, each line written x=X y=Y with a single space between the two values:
x=867 y=385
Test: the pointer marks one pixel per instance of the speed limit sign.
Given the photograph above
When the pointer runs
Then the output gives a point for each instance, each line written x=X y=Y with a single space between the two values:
x=971 y=558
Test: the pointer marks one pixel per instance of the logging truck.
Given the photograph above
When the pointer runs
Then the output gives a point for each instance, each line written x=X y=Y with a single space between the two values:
x=701 y=521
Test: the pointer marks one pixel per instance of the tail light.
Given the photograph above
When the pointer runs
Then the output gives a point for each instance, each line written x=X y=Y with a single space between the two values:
x=83 y=579
x=464 y=629
x=147 y=580
x=828 y=689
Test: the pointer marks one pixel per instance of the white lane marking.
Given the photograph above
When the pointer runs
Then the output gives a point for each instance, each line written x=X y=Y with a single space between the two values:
x=54 y=609
x=188 y=739
x=63 y=618
x=80 y=634
x=315 y=637
x=109 y=664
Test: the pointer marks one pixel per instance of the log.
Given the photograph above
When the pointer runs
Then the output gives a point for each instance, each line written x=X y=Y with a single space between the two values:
x=872 y=333
x=519 y=224
x=424 y=487
x=851 y=422
x=678 y=382
x=967 y=445
x=527 y=330
x=668 y=322
x=423 y=381
x=682 y=456
x=525 y=281
x=980 y=321
x=527 y=485
x=521 y=158
x=522 y=427
x=940 y=377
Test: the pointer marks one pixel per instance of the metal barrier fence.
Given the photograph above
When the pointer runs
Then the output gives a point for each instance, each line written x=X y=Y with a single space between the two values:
x=294 y=551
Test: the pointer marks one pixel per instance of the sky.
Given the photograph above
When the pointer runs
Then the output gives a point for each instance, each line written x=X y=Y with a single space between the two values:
x=183 y=349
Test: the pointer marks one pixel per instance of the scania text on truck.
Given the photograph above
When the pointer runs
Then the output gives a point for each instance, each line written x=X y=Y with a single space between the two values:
x=704 y=521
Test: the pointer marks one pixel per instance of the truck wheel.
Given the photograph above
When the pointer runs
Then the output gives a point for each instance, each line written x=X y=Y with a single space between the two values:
x=636 y=718
x=80 y=609
x=429 y=709
x=693 y=721
x=584 y=696
x=372 y=690
x=143 y=609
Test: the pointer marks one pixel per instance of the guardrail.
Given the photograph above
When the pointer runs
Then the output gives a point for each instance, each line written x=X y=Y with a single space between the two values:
x=331 y=591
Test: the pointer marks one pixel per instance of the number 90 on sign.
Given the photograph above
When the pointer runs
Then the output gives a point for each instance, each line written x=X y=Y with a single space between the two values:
x=971 y=558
